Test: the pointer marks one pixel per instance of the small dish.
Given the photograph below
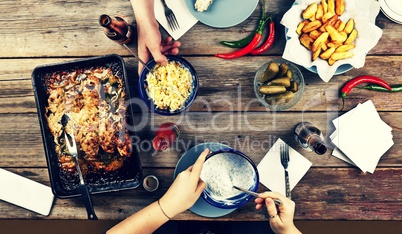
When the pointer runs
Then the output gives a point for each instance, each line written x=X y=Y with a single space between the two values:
x=142 y=86
x=223 y=14
x=392 y=9
x=297 y=77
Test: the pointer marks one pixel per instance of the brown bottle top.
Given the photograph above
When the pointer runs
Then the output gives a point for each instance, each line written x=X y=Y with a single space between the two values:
x=116 y=28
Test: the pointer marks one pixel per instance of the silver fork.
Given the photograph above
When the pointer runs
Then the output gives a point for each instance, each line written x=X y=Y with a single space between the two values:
x=72 y=148
x=171 y=18
x=284 y=148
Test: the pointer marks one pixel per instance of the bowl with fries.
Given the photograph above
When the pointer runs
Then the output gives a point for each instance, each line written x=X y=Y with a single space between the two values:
x=330 y=37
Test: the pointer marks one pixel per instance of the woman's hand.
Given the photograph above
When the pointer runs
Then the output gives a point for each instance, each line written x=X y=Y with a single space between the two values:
x=149 y=37
x=281 y=219
x=150 y=44
x=185 y=190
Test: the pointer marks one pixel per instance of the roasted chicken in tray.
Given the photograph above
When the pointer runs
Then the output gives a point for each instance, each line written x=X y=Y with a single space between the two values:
x=94 y=100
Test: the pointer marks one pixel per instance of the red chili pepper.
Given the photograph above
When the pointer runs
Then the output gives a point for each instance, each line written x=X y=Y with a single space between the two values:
x=250 y=47
x=238 y=53
x=268 y=42
x=358 y=80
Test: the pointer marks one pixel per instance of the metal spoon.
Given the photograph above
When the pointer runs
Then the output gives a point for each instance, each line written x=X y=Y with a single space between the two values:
x=137 y=58
x=278 y=202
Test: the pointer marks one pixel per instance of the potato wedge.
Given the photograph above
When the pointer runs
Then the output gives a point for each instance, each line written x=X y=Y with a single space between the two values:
x=306 y=40
x=330 y=21
x=339 y=7
x=327 y=54
x=331 y=6
x=300 y=26
x=314 y=34
x=341 y=26
x=351 y=38
x=324 y=6
x=320 y=12
x=324 y=47
x=333 y=44
x=337 y=23
x=336 y=37
x=341 y=55
x=319 y=41
x=311 y=26
x=331 y=61
x=316 y=54
x=350 y=25
x=344 y=48
x=309 y=11
x=328 y=15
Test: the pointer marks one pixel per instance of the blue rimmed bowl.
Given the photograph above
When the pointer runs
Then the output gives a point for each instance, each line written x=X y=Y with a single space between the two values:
x=223 y=169
x=143 y=91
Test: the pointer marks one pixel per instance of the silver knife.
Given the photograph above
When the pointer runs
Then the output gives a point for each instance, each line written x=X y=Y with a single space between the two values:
x=278 y=202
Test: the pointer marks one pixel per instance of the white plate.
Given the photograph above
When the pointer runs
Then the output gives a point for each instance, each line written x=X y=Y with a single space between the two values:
x=223 y=13
x=392 y=9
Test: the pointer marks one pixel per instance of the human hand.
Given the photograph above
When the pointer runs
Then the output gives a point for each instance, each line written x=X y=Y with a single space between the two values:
x=281 y=220
x=150 y=44
x=186 y=188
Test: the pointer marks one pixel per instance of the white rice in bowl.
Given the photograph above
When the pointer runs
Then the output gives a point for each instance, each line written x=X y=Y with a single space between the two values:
x=169 y=86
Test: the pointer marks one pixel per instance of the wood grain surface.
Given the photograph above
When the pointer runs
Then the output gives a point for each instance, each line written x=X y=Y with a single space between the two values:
x=36 y=33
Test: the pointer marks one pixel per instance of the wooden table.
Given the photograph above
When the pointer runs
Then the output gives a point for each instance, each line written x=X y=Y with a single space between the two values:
x=41 y=32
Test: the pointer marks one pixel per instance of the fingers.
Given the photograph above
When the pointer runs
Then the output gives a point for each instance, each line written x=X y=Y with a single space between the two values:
x=201 y=186
x=197 y=167
x=171 y=48
x=271 y=208
x=159 y=57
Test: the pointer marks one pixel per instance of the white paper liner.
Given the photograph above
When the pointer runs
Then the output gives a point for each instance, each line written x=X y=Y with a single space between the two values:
x=364 y=13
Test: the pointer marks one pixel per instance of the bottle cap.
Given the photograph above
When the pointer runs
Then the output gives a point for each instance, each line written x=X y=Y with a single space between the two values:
x=150 y=183
x=105 y=20
x=320 y=148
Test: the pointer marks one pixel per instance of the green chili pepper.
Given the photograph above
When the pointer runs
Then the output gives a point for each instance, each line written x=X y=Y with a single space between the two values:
x=245 y=41
x=395 y=88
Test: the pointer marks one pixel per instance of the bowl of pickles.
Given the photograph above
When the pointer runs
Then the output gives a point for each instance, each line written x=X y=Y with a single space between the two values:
x=278 y=84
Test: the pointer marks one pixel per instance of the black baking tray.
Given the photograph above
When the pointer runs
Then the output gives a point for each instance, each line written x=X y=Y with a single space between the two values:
x=65 y=184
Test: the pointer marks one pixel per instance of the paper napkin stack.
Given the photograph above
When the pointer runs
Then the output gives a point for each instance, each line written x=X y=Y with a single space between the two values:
x=361 y=137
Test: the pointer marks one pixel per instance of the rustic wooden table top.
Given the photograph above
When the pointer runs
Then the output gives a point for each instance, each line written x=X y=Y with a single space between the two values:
x=40 y=32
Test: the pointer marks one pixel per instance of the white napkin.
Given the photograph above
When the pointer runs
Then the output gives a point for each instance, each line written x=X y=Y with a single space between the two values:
x=364 y=13
x=184 y=17
x=271 y=171
x=25 y=193
x=361 y=136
